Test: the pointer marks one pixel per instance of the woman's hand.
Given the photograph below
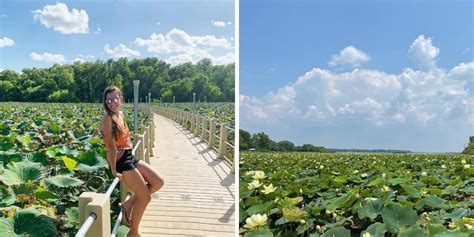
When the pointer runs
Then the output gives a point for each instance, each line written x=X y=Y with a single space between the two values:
x=119 y=175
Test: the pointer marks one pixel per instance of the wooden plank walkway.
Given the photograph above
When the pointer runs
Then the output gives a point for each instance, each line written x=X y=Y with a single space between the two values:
x=198 y=196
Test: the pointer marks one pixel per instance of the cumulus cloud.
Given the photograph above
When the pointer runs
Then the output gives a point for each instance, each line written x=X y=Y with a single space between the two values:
x=349 y=56
x=48 y=57
x=196 y=55
x=178 y=41
x=120 y=51
x=5 y=42
x=212 y=41
x=61 y=19
x=423 y=53
x=220 y=23
x=83 y=58
x=182 y=47
x=413 y=96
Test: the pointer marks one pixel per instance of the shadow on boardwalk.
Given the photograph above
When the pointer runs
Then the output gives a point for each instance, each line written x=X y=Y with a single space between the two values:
x=198 y=197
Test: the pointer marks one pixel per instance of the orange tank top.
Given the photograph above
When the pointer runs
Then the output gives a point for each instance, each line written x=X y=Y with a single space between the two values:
x=123 y=141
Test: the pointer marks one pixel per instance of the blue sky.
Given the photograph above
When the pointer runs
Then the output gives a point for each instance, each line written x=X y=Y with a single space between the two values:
x=39 y=34
x=359 y=74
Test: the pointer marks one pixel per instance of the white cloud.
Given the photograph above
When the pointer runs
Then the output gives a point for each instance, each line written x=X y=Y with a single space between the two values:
x=211 y=40
x=349 y=56
x=61 y=19
x=97 y=32
x=5 y=41
x=48 y=57
x=226 y=59
x=423 y=53
x=196 y=55
x=463 y=72
x=84 y=58
x=79 y=60
x=120 y=51
x=219 y=23
x=178 y=41
x=183 y=47
x=415 y=97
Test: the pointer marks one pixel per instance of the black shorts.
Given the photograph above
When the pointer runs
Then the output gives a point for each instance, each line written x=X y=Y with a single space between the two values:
x=126 y=162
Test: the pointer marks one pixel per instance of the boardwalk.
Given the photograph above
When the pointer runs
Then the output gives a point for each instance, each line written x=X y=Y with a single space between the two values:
x=198 y=196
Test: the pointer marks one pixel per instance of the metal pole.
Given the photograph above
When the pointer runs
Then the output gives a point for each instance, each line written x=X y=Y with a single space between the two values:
x=174 y=99
x=135 y=105
x=87 y=224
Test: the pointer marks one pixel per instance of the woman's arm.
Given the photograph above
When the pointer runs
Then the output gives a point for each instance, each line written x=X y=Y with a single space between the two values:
x=109 y=143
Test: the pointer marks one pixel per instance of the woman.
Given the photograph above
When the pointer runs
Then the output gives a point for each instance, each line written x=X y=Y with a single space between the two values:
x=140 y=177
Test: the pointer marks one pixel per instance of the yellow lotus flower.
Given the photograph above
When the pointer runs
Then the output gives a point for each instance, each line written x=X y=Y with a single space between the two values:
x=424 y=173
x=259 y=175
x=463 y=161
x=467 y=166
x=250 y=173
x=268 y=189
x=256 y=221
x=366 y=234
x=385 y=189
x=254 y=184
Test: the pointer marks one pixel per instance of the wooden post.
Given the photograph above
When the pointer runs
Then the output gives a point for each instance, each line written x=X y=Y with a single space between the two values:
x=198 y=123
x=212 y=130
x=84 y=199
x=192 y=122
x=146 y=138
x=100 y=205
x=222 y=145
x=203 y=131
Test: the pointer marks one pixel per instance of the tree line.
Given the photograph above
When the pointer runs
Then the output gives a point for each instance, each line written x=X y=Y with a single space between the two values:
x=86 y=81
x=469 y=149
x=262 y=142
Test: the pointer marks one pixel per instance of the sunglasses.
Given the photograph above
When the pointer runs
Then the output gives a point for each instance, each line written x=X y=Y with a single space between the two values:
x=115 y=100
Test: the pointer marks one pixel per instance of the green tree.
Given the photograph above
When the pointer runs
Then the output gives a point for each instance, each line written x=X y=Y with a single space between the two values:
x=286 y=146
x=245 y=141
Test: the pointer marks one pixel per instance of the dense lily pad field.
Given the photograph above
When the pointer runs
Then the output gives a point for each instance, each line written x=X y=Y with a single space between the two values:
x=349 y=194
x=49 y=155
x=223 y=111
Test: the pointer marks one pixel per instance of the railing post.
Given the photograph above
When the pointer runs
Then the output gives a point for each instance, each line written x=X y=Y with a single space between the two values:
x=198 y=124
x=212 y=130
x=203 y=131
x=146 y=142
x=192 y=122
x=84 y=199
x=100 y=205
x=152 y=138
x=222 y=145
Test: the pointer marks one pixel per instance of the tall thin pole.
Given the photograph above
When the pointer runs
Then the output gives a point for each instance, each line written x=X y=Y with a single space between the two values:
x=135 y=106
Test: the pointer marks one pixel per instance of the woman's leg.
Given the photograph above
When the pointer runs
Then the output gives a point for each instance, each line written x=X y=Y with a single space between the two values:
x=136 y=183
x=154 y=180
x=154 y=183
